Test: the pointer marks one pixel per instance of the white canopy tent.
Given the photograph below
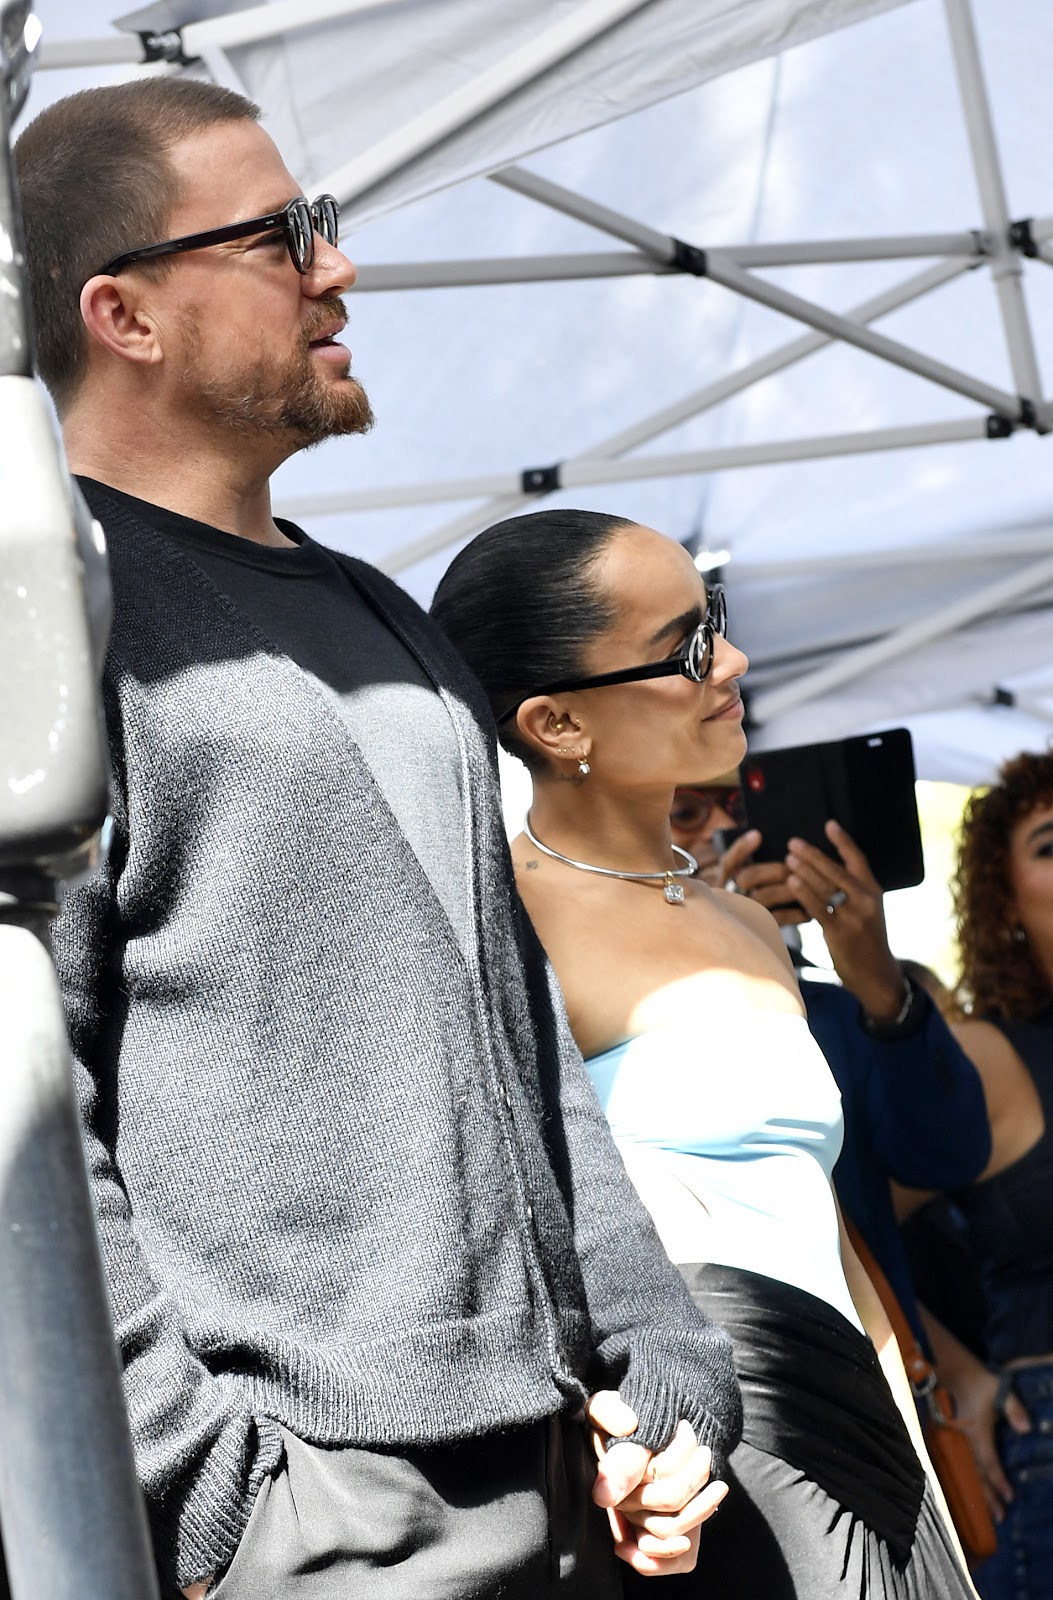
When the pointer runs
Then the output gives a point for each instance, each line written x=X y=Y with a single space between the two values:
x=571 y=222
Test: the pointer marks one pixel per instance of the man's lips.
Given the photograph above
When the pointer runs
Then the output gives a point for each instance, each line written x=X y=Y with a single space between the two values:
x=329 y=347
x=328 y=335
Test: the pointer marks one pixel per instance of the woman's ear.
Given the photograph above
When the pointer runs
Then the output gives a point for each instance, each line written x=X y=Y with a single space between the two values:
x=547 y=726
x=111 y=311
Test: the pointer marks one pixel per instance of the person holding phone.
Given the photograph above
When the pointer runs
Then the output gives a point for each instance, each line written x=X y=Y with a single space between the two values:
x=913 y=1102
x=605 y=660
x=1004 y=912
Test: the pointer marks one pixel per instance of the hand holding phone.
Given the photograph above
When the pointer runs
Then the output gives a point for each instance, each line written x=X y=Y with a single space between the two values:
x=767 y=882
x=866 y=783
x=845 y=899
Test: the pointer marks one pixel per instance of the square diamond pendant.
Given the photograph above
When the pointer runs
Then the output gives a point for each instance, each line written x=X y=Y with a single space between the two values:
x=674 y=893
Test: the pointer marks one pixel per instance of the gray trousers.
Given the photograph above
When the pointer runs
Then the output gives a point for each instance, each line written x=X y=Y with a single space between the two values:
x=508 y=1517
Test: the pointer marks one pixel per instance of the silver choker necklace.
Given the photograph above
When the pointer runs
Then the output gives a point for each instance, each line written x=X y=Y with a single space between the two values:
x=674 y=892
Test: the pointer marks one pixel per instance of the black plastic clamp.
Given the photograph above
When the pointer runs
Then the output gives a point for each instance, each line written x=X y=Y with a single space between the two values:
x=689 y=258
x=1022 y=238
x=999 y=427
x=1002 y=697
x=540 y=480
x=167 y=46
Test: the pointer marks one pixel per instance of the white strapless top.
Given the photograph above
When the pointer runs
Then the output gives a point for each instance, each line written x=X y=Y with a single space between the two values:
x=729 y=1127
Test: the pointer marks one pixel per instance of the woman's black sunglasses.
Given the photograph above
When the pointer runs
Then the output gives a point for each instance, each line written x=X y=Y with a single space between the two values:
x=300 y=220
x=693 y=661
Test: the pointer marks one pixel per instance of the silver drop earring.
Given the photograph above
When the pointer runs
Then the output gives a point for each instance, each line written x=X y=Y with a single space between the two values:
x=583 y=768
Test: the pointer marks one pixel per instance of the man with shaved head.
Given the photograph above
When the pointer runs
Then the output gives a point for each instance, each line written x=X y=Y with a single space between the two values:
x=371 y=1254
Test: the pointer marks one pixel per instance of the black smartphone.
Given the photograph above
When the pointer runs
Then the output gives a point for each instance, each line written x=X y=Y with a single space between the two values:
x=865 y=783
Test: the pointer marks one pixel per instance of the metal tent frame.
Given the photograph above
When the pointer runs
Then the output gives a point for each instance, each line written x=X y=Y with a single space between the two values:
x=1000 y=244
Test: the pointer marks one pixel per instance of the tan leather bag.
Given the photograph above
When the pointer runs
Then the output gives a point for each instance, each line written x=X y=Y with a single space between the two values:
x=948 y=1447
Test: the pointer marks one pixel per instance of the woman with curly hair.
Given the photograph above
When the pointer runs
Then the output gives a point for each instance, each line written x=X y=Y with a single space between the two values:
x=1004 y=907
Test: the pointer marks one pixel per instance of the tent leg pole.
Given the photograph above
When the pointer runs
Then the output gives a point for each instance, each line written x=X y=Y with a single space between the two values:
x=72 y=1512
x=1006 y=266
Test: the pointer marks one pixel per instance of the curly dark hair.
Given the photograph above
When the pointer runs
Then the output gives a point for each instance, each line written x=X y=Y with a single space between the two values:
x=999 y=975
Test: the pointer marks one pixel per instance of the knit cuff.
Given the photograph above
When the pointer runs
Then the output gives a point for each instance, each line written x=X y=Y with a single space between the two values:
x=659 y=1409
x=198 y=1531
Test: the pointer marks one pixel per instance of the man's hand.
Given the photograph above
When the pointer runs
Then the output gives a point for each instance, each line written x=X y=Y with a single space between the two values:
x=656 y=1504
x=854 y=929
x=197 y=1591
x=767 y=882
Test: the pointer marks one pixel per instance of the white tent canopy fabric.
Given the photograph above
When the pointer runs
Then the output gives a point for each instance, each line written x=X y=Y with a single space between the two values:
x=895 y=566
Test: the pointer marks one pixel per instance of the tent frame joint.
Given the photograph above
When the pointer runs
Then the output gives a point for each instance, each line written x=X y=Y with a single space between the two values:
x=999 y=427
x=689 y=258
x=167 y=46
x=541 y=480
x=1022 y=238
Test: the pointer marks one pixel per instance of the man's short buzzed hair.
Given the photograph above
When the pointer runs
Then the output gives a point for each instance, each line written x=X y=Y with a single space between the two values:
x=95 y=180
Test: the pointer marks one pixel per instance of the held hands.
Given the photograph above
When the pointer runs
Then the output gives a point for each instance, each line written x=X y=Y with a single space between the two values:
x=845 y=900
x=656 y=1504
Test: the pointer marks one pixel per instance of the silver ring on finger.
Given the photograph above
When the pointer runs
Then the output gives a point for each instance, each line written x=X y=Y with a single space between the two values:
x=836 y=900
x=732 y=887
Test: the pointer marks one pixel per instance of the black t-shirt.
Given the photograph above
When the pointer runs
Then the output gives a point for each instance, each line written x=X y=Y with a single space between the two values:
x=304 y=602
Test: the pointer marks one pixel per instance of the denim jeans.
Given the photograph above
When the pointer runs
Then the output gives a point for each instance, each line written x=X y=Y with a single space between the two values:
x=1023 y=1566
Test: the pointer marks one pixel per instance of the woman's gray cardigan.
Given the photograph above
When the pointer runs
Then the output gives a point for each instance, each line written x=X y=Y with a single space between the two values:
x=349 y=1178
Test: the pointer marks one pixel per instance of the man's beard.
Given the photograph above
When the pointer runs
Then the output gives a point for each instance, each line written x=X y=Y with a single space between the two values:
x=295 y=401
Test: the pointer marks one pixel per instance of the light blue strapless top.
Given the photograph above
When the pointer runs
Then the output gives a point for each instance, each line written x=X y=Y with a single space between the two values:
x=730 y=1127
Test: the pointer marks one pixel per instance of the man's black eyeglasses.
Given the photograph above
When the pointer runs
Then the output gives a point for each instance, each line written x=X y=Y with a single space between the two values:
x=693 y=661
x=300 y=220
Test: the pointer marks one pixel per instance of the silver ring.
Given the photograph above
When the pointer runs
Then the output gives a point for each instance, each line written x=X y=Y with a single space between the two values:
x=731 y=886
x=836 y=900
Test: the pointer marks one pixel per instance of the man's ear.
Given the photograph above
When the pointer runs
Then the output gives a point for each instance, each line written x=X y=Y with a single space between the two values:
x=111 y=311
x=550 y=728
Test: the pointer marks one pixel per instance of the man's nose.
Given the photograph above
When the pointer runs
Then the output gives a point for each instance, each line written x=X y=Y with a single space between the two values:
x=331 y=272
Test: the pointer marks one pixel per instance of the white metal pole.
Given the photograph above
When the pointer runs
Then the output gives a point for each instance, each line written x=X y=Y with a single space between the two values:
x=587 y=470
x=452 y=532
x=382 y=276
x=1006 y=267
x=650 y=427
x=60 y=54
x=522 y=66
x=896 y=247
x=777 y=360
x=557 y=198
x=771 y=703
x=999 y=546
x=474 y=270
x=723 y=271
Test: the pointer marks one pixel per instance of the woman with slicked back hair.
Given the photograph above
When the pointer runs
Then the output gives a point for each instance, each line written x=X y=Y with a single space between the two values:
x=605 y=661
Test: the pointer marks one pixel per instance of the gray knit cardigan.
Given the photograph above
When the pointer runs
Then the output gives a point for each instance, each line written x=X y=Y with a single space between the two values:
x=350 y=1178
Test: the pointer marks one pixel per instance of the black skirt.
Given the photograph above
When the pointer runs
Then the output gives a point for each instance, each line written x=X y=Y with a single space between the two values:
x=827 y=1499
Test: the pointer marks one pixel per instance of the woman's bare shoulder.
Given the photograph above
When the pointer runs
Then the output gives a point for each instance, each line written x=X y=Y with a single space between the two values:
x=758 y=919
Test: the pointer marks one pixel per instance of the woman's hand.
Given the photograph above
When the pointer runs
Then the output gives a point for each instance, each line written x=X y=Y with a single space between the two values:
x=976 y=1399
x=656 y=1504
